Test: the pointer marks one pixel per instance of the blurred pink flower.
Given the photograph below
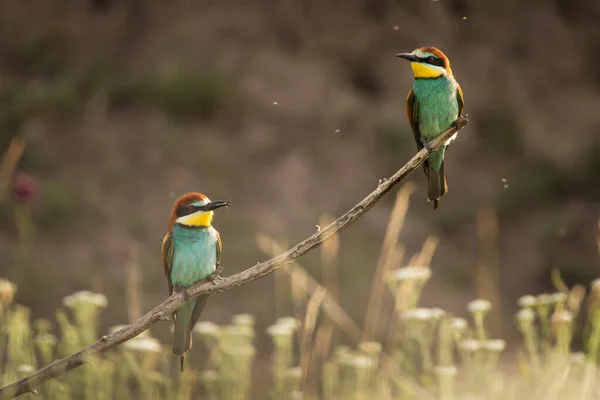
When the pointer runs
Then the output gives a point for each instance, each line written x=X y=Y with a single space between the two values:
x=25 y=187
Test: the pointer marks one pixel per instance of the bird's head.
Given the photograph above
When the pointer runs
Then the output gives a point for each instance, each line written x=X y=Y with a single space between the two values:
x=428 y=62
x=194 y=210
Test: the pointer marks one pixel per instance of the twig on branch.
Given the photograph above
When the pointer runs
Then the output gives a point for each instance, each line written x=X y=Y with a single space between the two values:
x=164 y=310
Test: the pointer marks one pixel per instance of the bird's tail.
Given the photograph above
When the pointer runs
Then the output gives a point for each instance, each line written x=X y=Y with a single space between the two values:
x=185 y=320
x=182 y=332
x=437 y=185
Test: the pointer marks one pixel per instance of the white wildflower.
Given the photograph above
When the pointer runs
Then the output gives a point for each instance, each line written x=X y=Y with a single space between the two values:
x=7 y=291
x=244 y=319
x=362 y=362
x=495 y=345
x=143 y=344
x=525 y=315
x=595 y=285
x=371 y=348
x=415 y=273
x=279 y=330
x=210 y=375
x=437 y=313
x=207 y=328
x=479 y=306
x=470 y=345
x=85 y=297
x=527 y=301
x=459 y=324
x=288 y=321
x=25 y=369
x=446 y=370
x=417 y=314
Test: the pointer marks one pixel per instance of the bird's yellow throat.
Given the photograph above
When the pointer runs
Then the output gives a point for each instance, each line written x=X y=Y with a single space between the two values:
x=197 y=219
x=422 y=70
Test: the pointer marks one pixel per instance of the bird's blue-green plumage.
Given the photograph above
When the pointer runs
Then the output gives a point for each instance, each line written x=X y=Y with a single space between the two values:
x=438 y=108
x=194 y=254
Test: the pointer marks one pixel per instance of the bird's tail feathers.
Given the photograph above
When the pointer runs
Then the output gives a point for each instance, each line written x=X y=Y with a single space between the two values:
x=436 y=185
x=182 y=332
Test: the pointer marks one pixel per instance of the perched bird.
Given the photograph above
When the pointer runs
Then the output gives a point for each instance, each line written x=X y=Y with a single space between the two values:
x=191 y=252
x=433 y=104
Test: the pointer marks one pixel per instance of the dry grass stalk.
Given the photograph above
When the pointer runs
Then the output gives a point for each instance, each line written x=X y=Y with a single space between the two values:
x=386 y=258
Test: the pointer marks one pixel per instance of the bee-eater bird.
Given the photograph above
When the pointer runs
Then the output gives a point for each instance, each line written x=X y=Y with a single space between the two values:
x=191 y=252
x=433 y=104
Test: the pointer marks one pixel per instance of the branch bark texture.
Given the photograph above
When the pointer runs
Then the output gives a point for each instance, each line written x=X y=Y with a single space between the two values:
x=165 y=309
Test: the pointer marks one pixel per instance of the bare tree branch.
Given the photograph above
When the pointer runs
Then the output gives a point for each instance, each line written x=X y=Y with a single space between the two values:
x=164 y=310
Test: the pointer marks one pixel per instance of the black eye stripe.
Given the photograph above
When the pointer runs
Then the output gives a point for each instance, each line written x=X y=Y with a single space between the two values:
x=433 y=61
x=187 y=210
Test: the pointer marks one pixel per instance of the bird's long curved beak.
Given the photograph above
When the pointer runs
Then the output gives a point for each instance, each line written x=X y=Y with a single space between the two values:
x=408 y=56
x=213 y=205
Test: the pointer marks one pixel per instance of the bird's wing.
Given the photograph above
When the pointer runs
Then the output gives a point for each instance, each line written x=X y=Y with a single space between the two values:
x=461 y=101
x=167 y=258
x=219 y=248
x=412 y=112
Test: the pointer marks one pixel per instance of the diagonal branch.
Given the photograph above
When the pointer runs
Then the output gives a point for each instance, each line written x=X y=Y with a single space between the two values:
x=164 y=310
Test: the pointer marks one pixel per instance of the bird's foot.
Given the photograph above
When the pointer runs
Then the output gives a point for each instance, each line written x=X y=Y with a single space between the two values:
x=179 y=289
x=426 y=144
x=215 y=277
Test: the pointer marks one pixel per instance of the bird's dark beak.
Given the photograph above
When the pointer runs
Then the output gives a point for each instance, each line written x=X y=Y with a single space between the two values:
x=213 y=205
x=408 y=56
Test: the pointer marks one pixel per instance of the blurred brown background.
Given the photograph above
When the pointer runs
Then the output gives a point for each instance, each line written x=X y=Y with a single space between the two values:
x=292 y=110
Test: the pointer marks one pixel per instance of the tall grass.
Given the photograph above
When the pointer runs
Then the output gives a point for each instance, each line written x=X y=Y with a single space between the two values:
x=426 y=353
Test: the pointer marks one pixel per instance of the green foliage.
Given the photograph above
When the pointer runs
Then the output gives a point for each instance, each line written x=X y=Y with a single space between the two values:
x=19 y=102
x=181 y=96
x=188 y=95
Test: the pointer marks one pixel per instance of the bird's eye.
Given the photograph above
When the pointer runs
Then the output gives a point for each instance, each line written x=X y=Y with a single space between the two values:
x=430 y=60
x=191 y=209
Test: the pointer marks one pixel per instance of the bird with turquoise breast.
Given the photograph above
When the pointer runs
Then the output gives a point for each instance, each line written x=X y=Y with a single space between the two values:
x=191 y=252
x=433 y=104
